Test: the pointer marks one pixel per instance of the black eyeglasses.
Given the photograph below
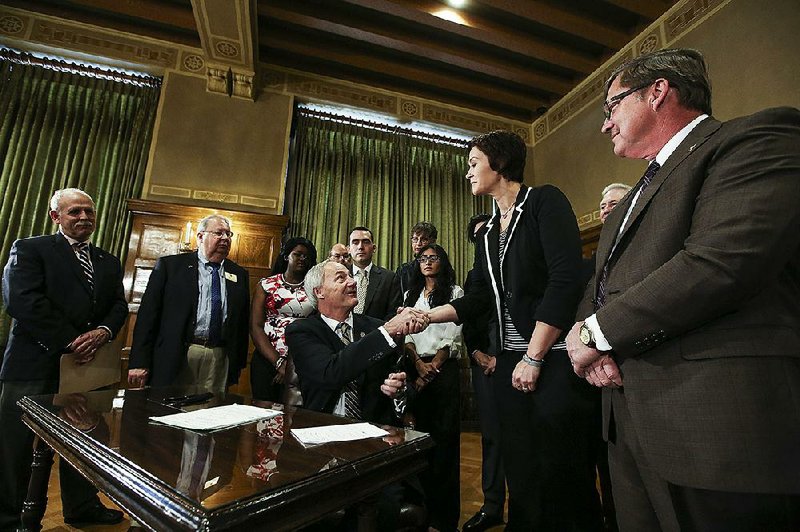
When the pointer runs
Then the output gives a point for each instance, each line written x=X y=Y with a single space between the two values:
x=220 y=234
x=422 y=259
x=611 y=104
x=298 y=255
x=338 y=256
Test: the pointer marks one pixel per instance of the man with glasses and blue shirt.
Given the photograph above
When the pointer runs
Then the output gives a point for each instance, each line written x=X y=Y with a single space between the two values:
x=692 y=322
x=192 y=325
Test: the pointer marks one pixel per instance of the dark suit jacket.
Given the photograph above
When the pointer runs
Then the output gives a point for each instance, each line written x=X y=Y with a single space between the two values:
x=47 y=295
x=383 y=294
x=540 y=279
x=703 y=307
x=325 y=365
x=168 y=315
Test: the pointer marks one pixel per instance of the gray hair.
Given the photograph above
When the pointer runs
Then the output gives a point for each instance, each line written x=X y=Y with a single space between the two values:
x=58 y=194
x=313 y=280
x=201 y=226
x=612 y=186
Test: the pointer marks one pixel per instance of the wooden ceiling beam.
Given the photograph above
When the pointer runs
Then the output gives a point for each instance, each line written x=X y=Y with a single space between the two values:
x=649 y=9
x=426 y=49
x=166 y=13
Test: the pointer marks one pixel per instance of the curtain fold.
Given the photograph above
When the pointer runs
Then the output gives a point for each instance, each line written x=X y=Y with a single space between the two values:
x=344 y=174
x=65 y=125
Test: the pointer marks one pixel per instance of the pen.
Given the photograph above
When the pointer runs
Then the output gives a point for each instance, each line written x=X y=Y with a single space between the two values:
x=188 y=399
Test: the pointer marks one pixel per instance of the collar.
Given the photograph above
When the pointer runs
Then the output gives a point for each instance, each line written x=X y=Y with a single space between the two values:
x=71 y=240
x=201 y=257
x=332 y=323
x=366 y=270
x=676 y=140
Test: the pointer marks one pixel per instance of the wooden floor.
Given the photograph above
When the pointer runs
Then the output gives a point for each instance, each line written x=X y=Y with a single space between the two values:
x=471 y=496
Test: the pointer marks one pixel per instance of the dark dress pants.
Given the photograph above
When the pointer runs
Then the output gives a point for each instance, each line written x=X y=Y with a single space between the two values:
x=16 y=454
x=493 y=476
x=548 y=447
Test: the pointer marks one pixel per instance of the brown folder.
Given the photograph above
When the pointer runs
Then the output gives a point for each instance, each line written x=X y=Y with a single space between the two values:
x=103 y=370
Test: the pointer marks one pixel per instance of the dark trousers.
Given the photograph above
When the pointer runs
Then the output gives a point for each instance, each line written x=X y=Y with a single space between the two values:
x=16 y=454
x=548 y=447
x=493 y=476
x=436 y=410
x=645 y=501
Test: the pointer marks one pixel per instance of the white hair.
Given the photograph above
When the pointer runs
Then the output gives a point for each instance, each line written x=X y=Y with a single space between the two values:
x=313 y=280
x=202 y=224
x=58 y=194
x=612 y=186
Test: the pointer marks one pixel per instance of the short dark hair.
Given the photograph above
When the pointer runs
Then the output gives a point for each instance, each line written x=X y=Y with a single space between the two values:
x=684 y=68
x=360 y=228
x=473 y=223
x=426 y=229
x=506 y=152
x=282 y=260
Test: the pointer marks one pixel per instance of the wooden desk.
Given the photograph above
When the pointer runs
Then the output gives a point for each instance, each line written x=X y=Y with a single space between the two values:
x=255 y=476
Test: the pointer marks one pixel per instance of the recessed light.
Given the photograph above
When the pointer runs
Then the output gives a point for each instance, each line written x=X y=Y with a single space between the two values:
x=458 y=4
x=450 y=15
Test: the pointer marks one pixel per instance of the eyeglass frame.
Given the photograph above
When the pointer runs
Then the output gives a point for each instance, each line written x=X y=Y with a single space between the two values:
x=428 y=258
x=617 y=98
x=219 y=234
x=338 y=256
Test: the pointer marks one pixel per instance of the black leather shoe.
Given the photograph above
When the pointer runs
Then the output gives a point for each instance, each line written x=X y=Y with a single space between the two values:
x=481 y=521
x=96 y=515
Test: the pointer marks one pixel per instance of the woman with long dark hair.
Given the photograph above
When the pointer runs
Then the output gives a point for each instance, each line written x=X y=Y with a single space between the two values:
x=434 y=354
x=528 y=271
x=278 y=301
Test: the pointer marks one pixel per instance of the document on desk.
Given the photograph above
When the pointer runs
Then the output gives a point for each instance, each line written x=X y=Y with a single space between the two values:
x=331 y=433
x=218 y=417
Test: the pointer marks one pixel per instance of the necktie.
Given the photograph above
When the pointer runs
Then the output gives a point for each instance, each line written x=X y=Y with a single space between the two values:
x=601 y=282
x=352 y=406
x=361 y=290
x=82 y=251
x=215 y=324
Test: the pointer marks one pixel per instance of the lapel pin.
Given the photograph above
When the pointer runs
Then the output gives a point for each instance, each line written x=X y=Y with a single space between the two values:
x=363 y=334
x=692 y=147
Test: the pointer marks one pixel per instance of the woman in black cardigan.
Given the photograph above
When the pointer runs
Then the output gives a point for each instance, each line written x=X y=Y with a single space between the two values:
x=528 y=270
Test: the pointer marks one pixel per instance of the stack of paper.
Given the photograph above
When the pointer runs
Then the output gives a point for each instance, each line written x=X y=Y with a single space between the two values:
x=218 y=417
x=331 y=433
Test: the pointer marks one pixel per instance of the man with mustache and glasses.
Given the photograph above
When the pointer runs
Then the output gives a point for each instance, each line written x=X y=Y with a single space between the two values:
x=65 y=295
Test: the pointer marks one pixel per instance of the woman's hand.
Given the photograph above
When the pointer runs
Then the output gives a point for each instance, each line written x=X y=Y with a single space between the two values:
x=486 y=362
x=525 y=376
x=280 y=373
x=426 y=370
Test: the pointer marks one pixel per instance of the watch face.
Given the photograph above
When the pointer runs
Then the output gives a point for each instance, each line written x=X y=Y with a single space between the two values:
x=586 y=335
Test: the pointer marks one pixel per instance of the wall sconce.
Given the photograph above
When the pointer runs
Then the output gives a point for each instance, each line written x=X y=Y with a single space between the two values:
x=186 y=239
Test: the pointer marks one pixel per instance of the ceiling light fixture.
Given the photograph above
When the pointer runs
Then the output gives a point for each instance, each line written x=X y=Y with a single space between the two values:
x=457 y=4
x=450 y=15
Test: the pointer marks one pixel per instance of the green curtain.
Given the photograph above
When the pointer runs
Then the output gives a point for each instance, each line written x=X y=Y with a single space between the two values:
x=58 y=129
x=343 y=174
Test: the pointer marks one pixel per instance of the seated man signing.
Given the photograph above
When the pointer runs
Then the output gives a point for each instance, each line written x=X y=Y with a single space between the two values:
x=344 y=360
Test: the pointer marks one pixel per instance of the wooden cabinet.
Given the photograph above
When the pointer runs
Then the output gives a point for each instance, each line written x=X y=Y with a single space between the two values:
x=160 y=229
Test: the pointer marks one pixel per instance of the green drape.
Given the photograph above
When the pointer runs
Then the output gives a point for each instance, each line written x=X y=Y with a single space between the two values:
x=344 y=175
x=62 y=129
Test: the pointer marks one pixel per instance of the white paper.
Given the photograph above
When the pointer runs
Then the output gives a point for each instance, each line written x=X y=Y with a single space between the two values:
x=331 y=433
x=217 y=417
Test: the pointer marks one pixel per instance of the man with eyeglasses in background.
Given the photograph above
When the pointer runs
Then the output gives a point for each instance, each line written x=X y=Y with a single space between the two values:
x=192 y=325
x=339 y=253
x=422 y=234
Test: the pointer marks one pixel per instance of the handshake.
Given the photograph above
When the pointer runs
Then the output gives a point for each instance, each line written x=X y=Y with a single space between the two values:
x=407 y=321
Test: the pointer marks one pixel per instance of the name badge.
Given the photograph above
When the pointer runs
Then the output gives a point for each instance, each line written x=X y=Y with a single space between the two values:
x=231 y=277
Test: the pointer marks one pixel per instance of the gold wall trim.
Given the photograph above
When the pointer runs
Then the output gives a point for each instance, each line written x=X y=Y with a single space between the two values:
x=175 y=192
x=680 y=19
x=257 y=201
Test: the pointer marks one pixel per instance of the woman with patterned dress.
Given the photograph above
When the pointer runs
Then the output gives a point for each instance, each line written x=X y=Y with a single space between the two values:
x=278 y=301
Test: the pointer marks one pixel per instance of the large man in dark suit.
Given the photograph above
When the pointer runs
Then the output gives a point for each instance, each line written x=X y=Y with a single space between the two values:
x=192 y=324
x=378 y=288
x=339 y=354
x=65 y=295
x=695 y=307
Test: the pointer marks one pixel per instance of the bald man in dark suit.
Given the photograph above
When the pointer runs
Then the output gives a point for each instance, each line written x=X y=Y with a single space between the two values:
x=692 y=321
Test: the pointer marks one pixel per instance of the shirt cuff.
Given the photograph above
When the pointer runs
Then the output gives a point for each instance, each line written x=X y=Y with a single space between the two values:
x=389 y=339
x=110 y=334
x=599 y=338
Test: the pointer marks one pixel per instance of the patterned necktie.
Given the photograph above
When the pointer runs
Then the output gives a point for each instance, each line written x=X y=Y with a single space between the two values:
x=601 y=282
x=361 y=290
x=215 y=324
x=352 y=406
x=82 y=251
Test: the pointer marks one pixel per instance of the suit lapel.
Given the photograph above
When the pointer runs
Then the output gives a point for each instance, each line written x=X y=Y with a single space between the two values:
x=491 y=247
x=65 y=251
x=375 y=280
x=193 y=280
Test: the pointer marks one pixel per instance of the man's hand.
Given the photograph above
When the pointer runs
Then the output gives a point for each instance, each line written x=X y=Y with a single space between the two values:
x=581 y=355
x=87 y=343
x=604 y=372
x=408 y=321
x=394 y=384
x=137 y=378
x=486 y=362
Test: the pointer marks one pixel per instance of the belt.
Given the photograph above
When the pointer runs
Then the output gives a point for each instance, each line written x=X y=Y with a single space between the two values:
x=205 y=342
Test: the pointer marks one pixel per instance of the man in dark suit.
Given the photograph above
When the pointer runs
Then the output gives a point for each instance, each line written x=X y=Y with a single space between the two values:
x=65 y=295
x=192 y=324
x=339 y=354
x=378 y=288
x=695 y=307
